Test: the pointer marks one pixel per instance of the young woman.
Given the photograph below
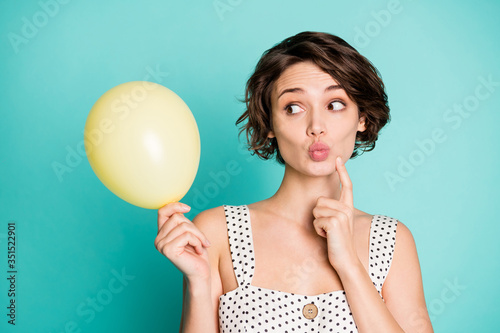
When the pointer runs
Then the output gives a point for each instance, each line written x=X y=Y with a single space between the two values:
x=303 y=260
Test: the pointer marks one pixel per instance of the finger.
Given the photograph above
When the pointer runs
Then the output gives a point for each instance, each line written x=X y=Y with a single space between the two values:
x=183 y=227
x=341 y=213
x=325 y=202
x=321 y=226
x=324 y=211
x=346 y=195
x=168 y=210
x=180 y=244
x=182 y=224
x=172 y=222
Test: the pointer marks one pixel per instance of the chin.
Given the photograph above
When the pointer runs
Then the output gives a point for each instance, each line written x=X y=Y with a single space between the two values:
x=320 y=169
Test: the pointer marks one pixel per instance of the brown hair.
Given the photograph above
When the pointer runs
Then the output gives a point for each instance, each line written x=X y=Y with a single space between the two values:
x=353 y=72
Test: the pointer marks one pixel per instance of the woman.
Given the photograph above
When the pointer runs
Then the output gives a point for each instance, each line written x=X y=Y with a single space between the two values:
x=303 y=260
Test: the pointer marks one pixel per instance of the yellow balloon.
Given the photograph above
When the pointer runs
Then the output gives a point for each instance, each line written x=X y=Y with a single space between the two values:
x=143 y=143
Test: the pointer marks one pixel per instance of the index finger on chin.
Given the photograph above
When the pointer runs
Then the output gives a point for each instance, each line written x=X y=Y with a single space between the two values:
x=346 y=195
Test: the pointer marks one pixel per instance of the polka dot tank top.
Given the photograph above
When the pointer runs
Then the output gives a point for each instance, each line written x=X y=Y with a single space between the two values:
x=254 y=309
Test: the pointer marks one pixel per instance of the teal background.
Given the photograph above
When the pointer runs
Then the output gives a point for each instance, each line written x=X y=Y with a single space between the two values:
x=74 y=235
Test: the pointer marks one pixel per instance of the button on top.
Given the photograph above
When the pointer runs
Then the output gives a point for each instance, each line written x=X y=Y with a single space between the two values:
x=310 y=311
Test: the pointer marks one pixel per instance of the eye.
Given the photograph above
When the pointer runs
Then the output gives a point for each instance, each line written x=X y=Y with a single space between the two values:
x=292 y=109
x=336 y=106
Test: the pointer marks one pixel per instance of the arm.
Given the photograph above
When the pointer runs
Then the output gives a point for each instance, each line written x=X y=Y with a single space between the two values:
x=406 y=304
x=198 y=308
x=402 y=303
x=201 y=296
x=334 y=221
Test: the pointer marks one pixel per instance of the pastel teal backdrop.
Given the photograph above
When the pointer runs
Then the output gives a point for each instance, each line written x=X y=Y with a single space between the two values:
x=86 y=261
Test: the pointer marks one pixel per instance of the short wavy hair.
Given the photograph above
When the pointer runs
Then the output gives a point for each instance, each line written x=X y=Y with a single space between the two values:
x=353 y=72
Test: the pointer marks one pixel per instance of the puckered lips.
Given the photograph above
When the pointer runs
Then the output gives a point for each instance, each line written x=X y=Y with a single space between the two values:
x=319 y=151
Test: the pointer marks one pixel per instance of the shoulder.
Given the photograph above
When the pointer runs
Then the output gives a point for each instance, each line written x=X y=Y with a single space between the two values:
x=210 y=216
x=403 y=232
x=211 y=219
x=405 y=243
x=391 y=225
x=403 y=235
x=404 y=252
x=212 y=223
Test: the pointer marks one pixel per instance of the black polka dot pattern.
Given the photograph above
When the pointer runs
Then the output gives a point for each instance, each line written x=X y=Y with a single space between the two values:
x=382 y=243
x=254 y=309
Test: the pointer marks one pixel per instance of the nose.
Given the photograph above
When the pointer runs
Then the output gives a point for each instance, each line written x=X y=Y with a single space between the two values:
x=316 y=123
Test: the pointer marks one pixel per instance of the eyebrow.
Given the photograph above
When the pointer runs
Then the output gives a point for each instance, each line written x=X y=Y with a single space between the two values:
x=301 y=91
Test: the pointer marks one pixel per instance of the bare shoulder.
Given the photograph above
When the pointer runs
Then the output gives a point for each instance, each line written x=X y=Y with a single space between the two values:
x=403 y=232
x=212 y=223
x=404 y=246
x=405 y=251
x=404 y=238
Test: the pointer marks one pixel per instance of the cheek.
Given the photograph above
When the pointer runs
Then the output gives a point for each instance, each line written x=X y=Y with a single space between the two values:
x=289 y=143
x=286 y=132
x=342 y=131
x=286 y=139
x=343 y=139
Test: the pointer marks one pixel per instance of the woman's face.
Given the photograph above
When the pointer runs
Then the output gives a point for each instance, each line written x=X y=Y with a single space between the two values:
x=309 y=107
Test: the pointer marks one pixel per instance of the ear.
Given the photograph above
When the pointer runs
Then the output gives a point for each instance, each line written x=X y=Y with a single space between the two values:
x=361 y=124
x=270 y=134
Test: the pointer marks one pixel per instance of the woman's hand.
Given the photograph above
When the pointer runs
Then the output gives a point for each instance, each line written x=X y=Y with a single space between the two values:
x=334 y=221
x=182 y=242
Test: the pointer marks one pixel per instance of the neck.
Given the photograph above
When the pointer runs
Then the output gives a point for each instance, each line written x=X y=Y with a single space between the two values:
x=298 y=194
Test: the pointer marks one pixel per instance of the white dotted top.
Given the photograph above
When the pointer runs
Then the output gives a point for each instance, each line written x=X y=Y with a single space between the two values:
x=255 y=309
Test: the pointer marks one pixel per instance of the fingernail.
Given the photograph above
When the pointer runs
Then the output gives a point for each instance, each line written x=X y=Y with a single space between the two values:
x=186 y=207
x=340 y=160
